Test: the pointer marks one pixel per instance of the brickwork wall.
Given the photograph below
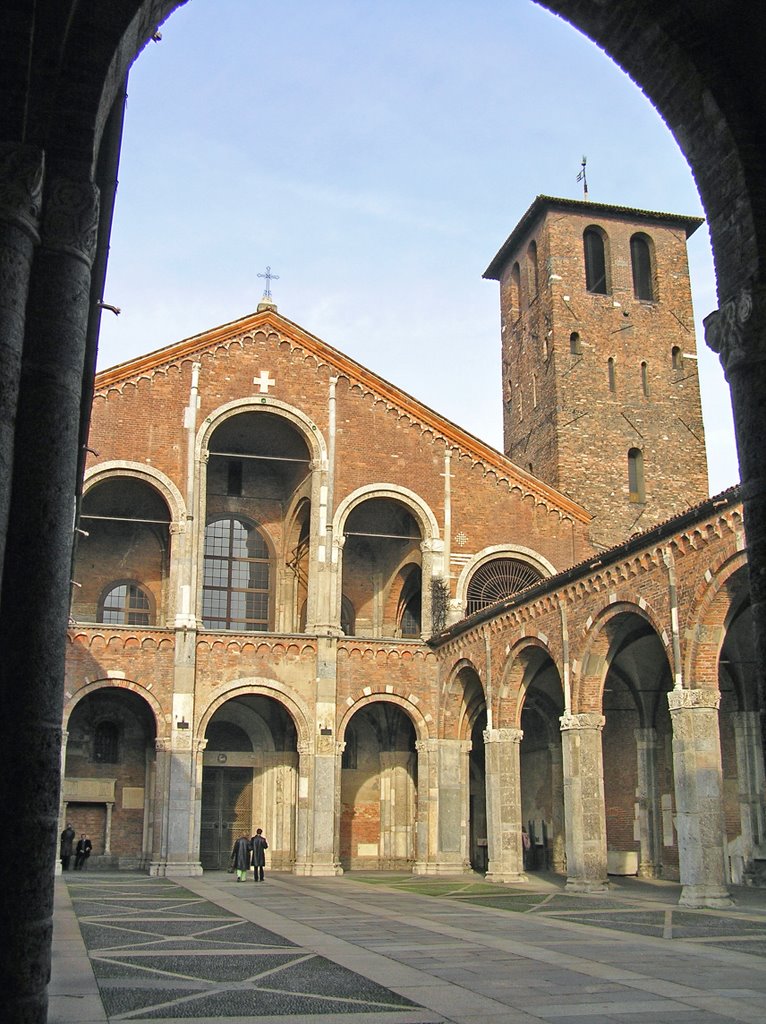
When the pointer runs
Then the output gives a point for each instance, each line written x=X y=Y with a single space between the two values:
x=561 y=417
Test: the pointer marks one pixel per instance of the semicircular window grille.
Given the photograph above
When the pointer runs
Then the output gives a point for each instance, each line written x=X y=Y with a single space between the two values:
x=497 y=580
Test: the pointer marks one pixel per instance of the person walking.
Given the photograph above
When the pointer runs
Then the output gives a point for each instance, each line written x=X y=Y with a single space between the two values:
x=67 y=847
x=259 y=847
x=82 y=852
x=240 y=857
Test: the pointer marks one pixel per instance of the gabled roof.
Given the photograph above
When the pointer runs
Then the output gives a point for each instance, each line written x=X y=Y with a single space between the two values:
x=355 y=372
x=542 y=204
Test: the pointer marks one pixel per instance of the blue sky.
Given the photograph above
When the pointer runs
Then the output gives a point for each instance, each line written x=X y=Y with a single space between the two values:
x=376 y=156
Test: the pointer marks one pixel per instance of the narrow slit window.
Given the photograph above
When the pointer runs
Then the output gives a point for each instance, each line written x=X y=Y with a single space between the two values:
x=611 y=374
x=533 y=276
x=677 y=358
x=636 y=475
x=645 y=379
x=575 y=344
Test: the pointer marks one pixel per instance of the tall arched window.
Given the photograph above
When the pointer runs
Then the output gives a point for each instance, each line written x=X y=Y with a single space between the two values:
x=237 y=577
x=515 y=292
x=125 y=604
x=641 y=262
x=595 y=262
x=575 y=344
x=677 y=358
x=636 y=475
x=533 y=273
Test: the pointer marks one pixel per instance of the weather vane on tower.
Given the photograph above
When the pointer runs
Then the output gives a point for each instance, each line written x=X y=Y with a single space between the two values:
x=581 y=177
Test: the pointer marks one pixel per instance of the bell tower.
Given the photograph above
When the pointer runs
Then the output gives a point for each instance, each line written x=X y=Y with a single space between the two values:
x=599 y=360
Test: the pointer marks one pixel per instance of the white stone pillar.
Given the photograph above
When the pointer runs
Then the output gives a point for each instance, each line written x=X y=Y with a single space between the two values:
x=396 y=810
x=699 y=798
x=428 y=788
x=108 y=829
x=178 y=804
x=584 y=810
x=503 y=785
x=448 y=803
x=648 y=800
x=751 y=786
x=302 y=805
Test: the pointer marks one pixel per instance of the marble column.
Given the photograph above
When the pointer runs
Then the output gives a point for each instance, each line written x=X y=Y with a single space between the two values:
x=426 y=825
x=751 y=785
x=648 y=800
x=584 y=810
x=447 y=796
x=699 y=798
x=503 y=786
x=179 y=761
x=397 y=799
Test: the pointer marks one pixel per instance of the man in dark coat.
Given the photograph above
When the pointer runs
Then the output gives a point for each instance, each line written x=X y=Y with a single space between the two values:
x=82 y=852
x=240 y=858
x=259 y=847
x=67 y=847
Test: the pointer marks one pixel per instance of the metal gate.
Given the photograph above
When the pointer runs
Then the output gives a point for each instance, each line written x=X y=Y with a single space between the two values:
x=227 y=813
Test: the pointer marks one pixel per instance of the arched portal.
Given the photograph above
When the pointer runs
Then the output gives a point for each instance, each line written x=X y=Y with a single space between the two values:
x=378 y=789
x=109 y=776
x=542 y=793
x=249 y=780
x=639 y=791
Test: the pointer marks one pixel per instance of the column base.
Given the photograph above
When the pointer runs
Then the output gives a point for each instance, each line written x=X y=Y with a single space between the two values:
x=586 y=885
x=422 y=867
x=183 y=869
x=505 y=877
x=647 y=871
x=317 y=870
x=702 y=897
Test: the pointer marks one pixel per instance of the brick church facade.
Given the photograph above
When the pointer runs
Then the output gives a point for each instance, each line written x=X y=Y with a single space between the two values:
x=306 y=602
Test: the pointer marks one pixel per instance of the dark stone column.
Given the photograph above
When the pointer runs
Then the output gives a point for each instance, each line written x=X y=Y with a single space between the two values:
x=21 y=182
x=737 y=332
x=34 y=605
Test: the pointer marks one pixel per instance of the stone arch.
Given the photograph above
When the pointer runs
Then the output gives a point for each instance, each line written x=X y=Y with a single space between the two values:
x=305 y=426
x=295 y=707
x=459 y=711
x=161 y=718
x=591 y=663
x=429 y=526
x=147 y=474
x=707 y=621
x=417 y=718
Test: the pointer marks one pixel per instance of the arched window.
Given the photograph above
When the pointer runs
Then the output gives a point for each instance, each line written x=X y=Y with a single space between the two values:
x=126 y=604
x=595 y=262
x=515 y=292
x=641 y=261
x=611 y=374
x=237 y=576
x=636 y=475
x=105 y=743
x=677 y=358
x=575 y=345
x=347 y=617
x=533 y=273
x=645 y=379
x=500 y=578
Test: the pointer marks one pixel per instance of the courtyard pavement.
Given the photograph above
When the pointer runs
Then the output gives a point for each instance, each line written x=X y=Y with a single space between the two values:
x=394 y=949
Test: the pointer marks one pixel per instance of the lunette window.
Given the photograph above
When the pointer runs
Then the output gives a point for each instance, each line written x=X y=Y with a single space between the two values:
x=126 y=604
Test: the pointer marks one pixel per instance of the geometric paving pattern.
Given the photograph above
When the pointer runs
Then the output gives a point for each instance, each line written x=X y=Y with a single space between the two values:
x=726 y=930
x=160 y=951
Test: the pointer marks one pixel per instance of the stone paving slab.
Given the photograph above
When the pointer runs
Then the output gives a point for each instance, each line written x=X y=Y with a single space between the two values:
x=407 y=956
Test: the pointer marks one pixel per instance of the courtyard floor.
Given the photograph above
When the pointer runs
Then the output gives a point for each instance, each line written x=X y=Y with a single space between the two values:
x=394 y=949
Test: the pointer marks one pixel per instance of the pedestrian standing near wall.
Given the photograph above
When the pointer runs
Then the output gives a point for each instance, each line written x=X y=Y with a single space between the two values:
x=259 y=846
x=67 y=847
x=82 y=852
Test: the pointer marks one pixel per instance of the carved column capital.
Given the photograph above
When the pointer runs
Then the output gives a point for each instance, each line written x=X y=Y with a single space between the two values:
x=426 y=746
x=21 y=186
x=692 y=700
x=737 y=331
x=585 y=720
x=70 y=218
x=503 y=735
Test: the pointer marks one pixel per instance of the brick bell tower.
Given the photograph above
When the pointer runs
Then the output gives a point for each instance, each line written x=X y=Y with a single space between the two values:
x=600 y=387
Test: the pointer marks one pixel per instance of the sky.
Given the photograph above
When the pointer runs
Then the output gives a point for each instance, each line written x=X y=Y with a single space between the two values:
x=375 y=156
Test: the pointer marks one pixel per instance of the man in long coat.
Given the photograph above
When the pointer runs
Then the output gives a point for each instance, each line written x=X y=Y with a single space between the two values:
x=67 y=846
x=240 y=857
x=259 y=847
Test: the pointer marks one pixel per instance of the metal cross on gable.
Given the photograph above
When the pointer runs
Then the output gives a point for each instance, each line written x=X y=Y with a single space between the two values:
x=269 y=278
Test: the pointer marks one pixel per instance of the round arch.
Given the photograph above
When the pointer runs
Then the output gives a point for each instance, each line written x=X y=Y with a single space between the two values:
x=518 y=552
x=161 y=720
x=708 y=619
x=146 y=474
x=452 y=693
x=429 y=527
x=512 y=690
x=410 y=709
x=308 y=430
x=296 y=708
